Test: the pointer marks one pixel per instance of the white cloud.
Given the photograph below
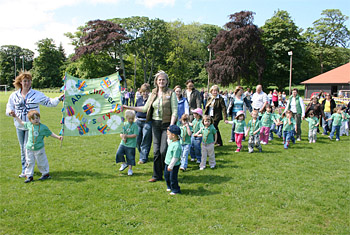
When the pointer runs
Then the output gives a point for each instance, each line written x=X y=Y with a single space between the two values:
x=188 y=5
x=153 y=3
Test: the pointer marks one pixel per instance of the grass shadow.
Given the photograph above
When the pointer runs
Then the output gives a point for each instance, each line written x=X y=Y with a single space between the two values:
x=78 y=176
x=212 y=179
x=200 y=191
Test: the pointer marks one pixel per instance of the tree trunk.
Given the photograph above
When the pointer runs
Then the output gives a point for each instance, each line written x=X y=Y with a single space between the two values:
x=321 y=61
x=123 y=67
x=151 y=73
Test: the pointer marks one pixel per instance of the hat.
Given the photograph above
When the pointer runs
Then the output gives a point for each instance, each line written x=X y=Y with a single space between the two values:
x=174 y=129
x=239 y=113
x=198 y=111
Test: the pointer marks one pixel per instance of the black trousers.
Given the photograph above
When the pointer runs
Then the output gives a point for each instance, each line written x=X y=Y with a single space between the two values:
x=216 y=125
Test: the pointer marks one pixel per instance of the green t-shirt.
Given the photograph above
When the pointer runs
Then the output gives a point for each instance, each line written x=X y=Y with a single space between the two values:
x=266 y=119
x=130 y=129
x=276 y=117
x=184 y=137
x=312 y=122
x=36 y=134
x=336 y=117
x=239 y=126
x=254 y=126
x=196 y=125
x=286 y=125
x=208 y=134
x=347 y=116
x=174 y=150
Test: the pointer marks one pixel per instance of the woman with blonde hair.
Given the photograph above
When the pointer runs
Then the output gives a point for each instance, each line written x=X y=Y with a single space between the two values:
x=161 y=108
x=20 y=102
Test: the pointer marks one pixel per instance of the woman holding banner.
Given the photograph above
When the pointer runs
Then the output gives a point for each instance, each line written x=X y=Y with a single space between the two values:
x=20 y=103
x=161 y=108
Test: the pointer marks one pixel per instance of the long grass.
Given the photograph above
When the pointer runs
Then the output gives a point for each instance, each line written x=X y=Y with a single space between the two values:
x=302 y=190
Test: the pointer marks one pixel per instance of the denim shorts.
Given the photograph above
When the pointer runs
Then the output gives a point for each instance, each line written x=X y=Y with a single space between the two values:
x=128 y=152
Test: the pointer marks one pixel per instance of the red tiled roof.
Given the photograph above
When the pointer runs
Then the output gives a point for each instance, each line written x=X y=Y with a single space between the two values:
x=337 y=75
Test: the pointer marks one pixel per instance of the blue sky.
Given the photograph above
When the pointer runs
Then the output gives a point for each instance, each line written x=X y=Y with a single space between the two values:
x=28 y=21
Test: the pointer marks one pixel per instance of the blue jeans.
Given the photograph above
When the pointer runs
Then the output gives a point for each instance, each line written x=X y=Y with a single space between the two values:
x=128 y=152
x=184 y=156
x=326 y=125
x=335 y=129
x=287 y=137
x=275 y=129
x=144 y=139
x=196 y=150
x=171 y=179
x=22 y=136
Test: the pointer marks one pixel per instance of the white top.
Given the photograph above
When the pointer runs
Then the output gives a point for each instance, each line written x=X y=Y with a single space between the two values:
x=293 y=106
x=258 y=100
x=188 y=94
x=31 y=102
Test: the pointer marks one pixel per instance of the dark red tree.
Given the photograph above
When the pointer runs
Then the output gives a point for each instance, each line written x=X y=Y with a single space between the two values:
x=238 y=51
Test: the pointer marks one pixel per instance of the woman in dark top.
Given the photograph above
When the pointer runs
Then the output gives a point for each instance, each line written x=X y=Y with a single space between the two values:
x=193 y=97
x=316 y=107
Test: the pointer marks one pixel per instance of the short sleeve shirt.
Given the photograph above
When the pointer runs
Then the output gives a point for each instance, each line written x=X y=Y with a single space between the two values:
x=36 y=134
x=312 y=122
x=196 y=124
x=174 y=150
x=253 y=126
x=130 y=129
x=266 y=119
x=336 y=117
x=239 y=126
x=208 y=134
x=287 y=126
x=184 y=137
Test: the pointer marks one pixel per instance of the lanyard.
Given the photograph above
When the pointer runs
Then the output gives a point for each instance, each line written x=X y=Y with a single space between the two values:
x=205 y=136
x=36 y=136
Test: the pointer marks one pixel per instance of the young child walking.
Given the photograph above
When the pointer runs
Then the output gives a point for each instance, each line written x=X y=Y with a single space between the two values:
x=196 y=153
x=344 y=129
x=337 y=116
x=35 y=150
x=254 y=126
x=209 y=137
x=313 y=124
x=240 y=128
x=128 y=143
x=172 y=160
x=275 y=127
x=289 y=126
x=185 y=141
x=266 y=122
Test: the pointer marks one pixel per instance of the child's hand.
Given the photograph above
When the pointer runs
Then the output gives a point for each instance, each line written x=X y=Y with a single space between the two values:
x=169 y=169
x=226 y=121
x=12 y=113
x=60 y=138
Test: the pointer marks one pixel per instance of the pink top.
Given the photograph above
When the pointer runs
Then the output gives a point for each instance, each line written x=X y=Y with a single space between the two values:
x=274 y=96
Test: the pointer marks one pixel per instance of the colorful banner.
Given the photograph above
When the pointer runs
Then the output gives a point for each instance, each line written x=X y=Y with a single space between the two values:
x=92 y=106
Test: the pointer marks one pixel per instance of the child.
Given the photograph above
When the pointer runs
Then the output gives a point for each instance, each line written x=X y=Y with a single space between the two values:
x=185 y=141
x=344 y=129
x=336 y=124
x=253 y=130
x=128 y=144
x=313 y=123
x=35 y=145
x=240 y=128
x=275 y=127
x=266 y=122
x=289 y=125
x=172 y=160
x=196 y=141
x=209 y=137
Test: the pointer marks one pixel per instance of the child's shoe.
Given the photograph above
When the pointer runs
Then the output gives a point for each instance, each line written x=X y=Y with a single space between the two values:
x=129 y=172
x=182 y=169
x=314 y=141
x=212 y=167
x=330 y=137
x=193 y=160
x=123 y=167
x=22 y=175
x=172 y=193
x=198 y=161
x=337 y=139
x=201 y=168
x=168 y=189
x=29 y=179
x=238 y=150
x=45 y=177
x=310 y=141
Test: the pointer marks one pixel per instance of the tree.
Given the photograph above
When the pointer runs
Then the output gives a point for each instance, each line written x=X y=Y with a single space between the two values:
x=46 y=68
x=327 y=33
x=101 y=36
x=281 y=35
x=238 y=51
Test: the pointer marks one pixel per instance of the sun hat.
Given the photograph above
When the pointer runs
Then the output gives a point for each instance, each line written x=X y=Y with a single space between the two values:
x=174 y=129
x=198 y=111
x=239 y=113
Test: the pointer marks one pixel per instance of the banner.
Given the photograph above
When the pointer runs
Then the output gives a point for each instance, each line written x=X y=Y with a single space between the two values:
x=92 y=106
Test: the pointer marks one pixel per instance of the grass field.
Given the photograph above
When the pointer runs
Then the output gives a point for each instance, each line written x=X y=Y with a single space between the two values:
x=302 y=190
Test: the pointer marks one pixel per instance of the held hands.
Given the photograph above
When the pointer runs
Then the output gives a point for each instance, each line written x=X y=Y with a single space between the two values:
x=61 y=97
x=12 y=113
x=226 y=121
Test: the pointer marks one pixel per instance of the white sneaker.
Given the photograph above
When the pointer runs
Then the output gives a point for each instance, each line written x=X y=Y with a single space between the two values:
x=298 y=139
x=123 y=167
x=310 y=141
x=22 y=175
x=172 y=194
x=129 y=172
x=201 y=168
x=337 y=139
x=314 y=141
x=168 y=189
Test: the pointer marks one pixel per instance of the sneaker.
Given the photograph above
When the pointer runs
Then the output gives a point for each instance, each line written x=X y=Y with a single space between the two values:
x=250 y=151
x=123 y=167
x=310 y=141
x=212 y=167
x=45 y=177
x=201 y=168
x=238 y=150
x=298 y=139
x=324 y=134
x=22 y=175
x=198 y=162
x=230 y=141
x=168 y=189
x=129 y=172
x=330 y=137
x=193 y=159
x=314 y=141
x=337 y=139
x=182 y=169
x=270 y=139
x=29 y=179
x=140 y=162
x=172 y=193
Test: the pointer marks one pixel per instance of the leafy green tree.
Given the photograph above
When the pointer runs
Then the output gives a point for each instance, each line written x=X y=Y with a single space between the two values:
x=46 y=67
x=281 y=35
x=238 y=51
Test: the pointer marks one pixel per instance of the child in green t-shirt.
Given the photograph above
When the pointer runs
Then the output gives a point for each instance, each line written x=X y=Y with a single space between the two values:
x=196 y=142
x=172 y=160
x=337 y=117
x=289 y=128
x=313 y=123
x=185 y=141
x=240 y=128
x=266 y=122
x=344 y=129
x=253 y=130
x=128 y=144
x=35 y=150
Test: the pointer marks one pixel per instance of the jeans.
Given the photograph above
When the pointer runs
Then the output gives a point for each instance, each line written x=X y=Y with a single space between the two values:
x=171 y=179
x=22 y=136
x=287 y=136
x=144 y=139
x=196 y=151
x=160 y=146
x=335 y=129
x=326 y=125
x=128 y=152
x=184 y=156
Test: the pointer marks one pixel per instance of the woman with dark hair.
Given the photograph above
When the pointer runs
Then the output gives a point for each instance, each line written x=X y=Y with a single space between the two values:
x=193 y=97
x=216 y=109
x=161 y=108
x=316 y=107
x=328 y=104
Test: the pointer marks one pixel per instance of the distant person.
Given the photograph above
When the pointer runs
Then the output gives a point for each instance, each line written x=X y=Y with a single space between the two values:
x=259 y=99
x=275 y=98
x=193 y=97
x=337 y=117
x=132 y=97
x=289 y=128
x=182 y=104
x=185 y=141
x=313 y=124
x=328 y=105
x=253 y=129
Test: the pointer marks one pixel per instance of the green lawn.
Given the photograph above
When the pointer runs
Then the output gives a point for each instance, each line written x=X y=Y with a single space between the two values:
x=302 y=190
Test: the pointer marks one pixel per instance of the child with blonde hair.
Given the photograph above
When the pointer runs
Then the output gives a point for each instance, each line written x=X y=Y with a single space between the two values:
x=337 y=117
x=128 y=143
x=289 y=126
x=240 y=128
x=254 y=126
